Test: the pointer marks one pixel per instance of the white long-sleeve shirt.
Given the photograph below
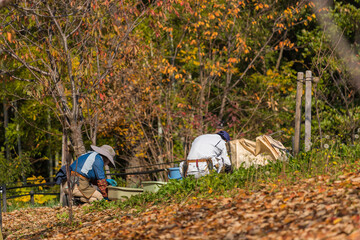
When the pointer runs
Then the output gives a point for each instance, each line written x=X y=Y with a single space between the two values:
x=204 y=147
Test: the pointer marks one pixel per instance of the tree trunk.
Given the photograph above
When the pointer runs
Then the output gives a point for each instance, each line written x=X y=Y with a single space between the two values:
x=77 y=140
x=63 y=162
x=51 y=160
x=6 y=121
x=68 y=174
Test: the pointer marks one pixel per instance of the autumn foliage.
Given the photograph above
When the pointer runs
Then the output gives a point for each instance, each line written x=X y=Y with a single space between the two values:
x=147 y=77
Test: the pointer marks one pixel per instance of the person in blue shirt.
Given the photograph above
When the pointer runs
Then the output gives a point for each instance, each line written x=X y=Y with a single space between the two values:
x=88 y=172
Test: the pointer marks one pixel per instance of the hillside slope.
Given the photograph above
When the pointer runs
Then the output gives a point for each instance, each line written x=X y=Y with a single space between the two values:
x=310 y=209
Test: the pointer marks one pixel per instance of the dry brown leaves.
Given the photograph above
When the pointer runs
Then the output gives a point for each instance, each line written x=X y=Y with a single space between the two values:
x=311 y=209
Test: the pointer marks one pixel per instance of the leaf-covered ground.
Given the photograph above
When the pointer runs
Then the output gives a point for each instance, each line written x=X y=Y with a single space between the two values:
x=310 y=209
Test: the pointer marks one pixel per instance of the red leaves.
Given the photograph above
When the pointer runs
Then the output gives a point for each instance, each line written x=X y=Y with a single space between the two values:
x=102 y=96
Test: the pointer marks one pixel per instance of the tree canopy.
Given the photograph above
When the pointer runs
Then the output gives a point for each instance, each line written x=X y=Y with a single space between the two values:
x=147 y=77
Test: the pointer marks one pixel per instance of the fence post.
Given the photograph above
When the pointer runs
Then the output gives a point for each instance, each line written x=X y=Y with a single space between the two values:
x=1 y=191
x=299 y=90
x=308 y=86
x=32 y=197
x=4 y=197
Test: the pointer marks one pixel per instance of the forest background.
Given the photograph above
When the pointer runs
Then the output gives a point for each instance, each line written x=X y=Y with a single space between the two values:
x=147 y=77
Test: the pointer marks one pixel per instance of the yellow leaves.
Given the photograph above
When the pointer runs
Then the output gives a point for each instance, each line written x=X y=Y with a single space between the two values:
x=214 y=34
x=337 y=220
x=310 y=18
x=43 y=198
x=23 y=199
x=36 y=180
x=177 y=76
x=269 y=72
x=196 y=63
x=141 y=154
x=75 y=63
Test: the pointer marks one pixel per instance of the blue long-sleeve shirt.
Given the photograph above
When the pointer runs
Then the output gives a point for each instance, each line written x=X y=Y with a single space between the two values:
x=90 y=165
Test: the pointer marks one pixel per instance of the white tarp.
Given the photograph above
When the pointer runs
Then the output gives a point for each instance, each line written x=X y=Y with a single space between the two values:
x=245 y=153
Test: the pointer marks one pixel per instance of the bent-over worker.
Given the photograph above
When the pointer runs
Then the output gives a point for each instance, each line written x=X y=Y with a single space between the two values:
x=208 y=152
x=91 y=184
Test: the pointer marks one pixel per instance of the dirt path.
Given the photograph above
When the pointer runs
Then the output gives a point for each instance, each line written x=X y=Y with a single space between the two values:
x=311 y=209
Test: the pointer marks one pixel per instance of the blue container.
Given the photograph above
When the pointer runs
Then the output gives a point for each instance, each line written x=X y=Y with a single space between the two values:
x=174 y=173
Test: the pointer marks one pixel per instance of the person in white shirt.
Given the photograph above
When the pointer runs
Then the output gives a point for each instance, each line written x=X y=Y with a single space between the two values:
x=208 y=152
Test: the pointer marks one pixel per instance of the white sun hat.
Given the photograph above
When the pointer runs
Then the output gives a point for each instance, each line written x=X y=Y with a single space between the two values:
x=106 y=151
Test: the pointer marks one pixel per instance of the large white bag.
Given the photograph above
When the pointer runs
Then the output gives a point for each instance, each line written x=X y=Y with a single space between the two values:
x=245 y=153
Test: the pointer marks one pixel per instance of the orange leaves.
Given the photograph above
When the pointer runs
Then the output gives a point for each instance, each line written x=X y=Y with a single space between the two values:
x=285 y=43
x=233 y=60
x=280 y=25
x=9 y=36
x=259 y=6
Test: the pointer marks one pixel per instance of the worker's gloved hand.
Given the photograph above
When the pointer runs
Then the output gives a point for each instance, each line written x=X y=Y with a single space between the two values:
x=111 y=182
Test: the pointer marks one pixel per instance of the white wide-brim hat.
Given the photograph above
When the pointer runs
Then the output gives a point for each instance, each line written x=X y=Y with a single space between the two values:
x=106 y=151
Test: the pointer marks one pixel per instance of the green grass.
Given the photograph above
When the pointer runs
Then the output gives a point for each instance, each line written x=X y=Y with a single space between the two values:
x=15 y=205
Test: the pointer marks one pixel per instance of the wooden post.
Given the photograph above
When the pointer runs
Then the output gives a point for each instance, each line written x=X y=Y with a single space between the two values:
x=2 y=193
x=32 y=197
x=0 y=215
x=308 y=80
x=299 y=90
